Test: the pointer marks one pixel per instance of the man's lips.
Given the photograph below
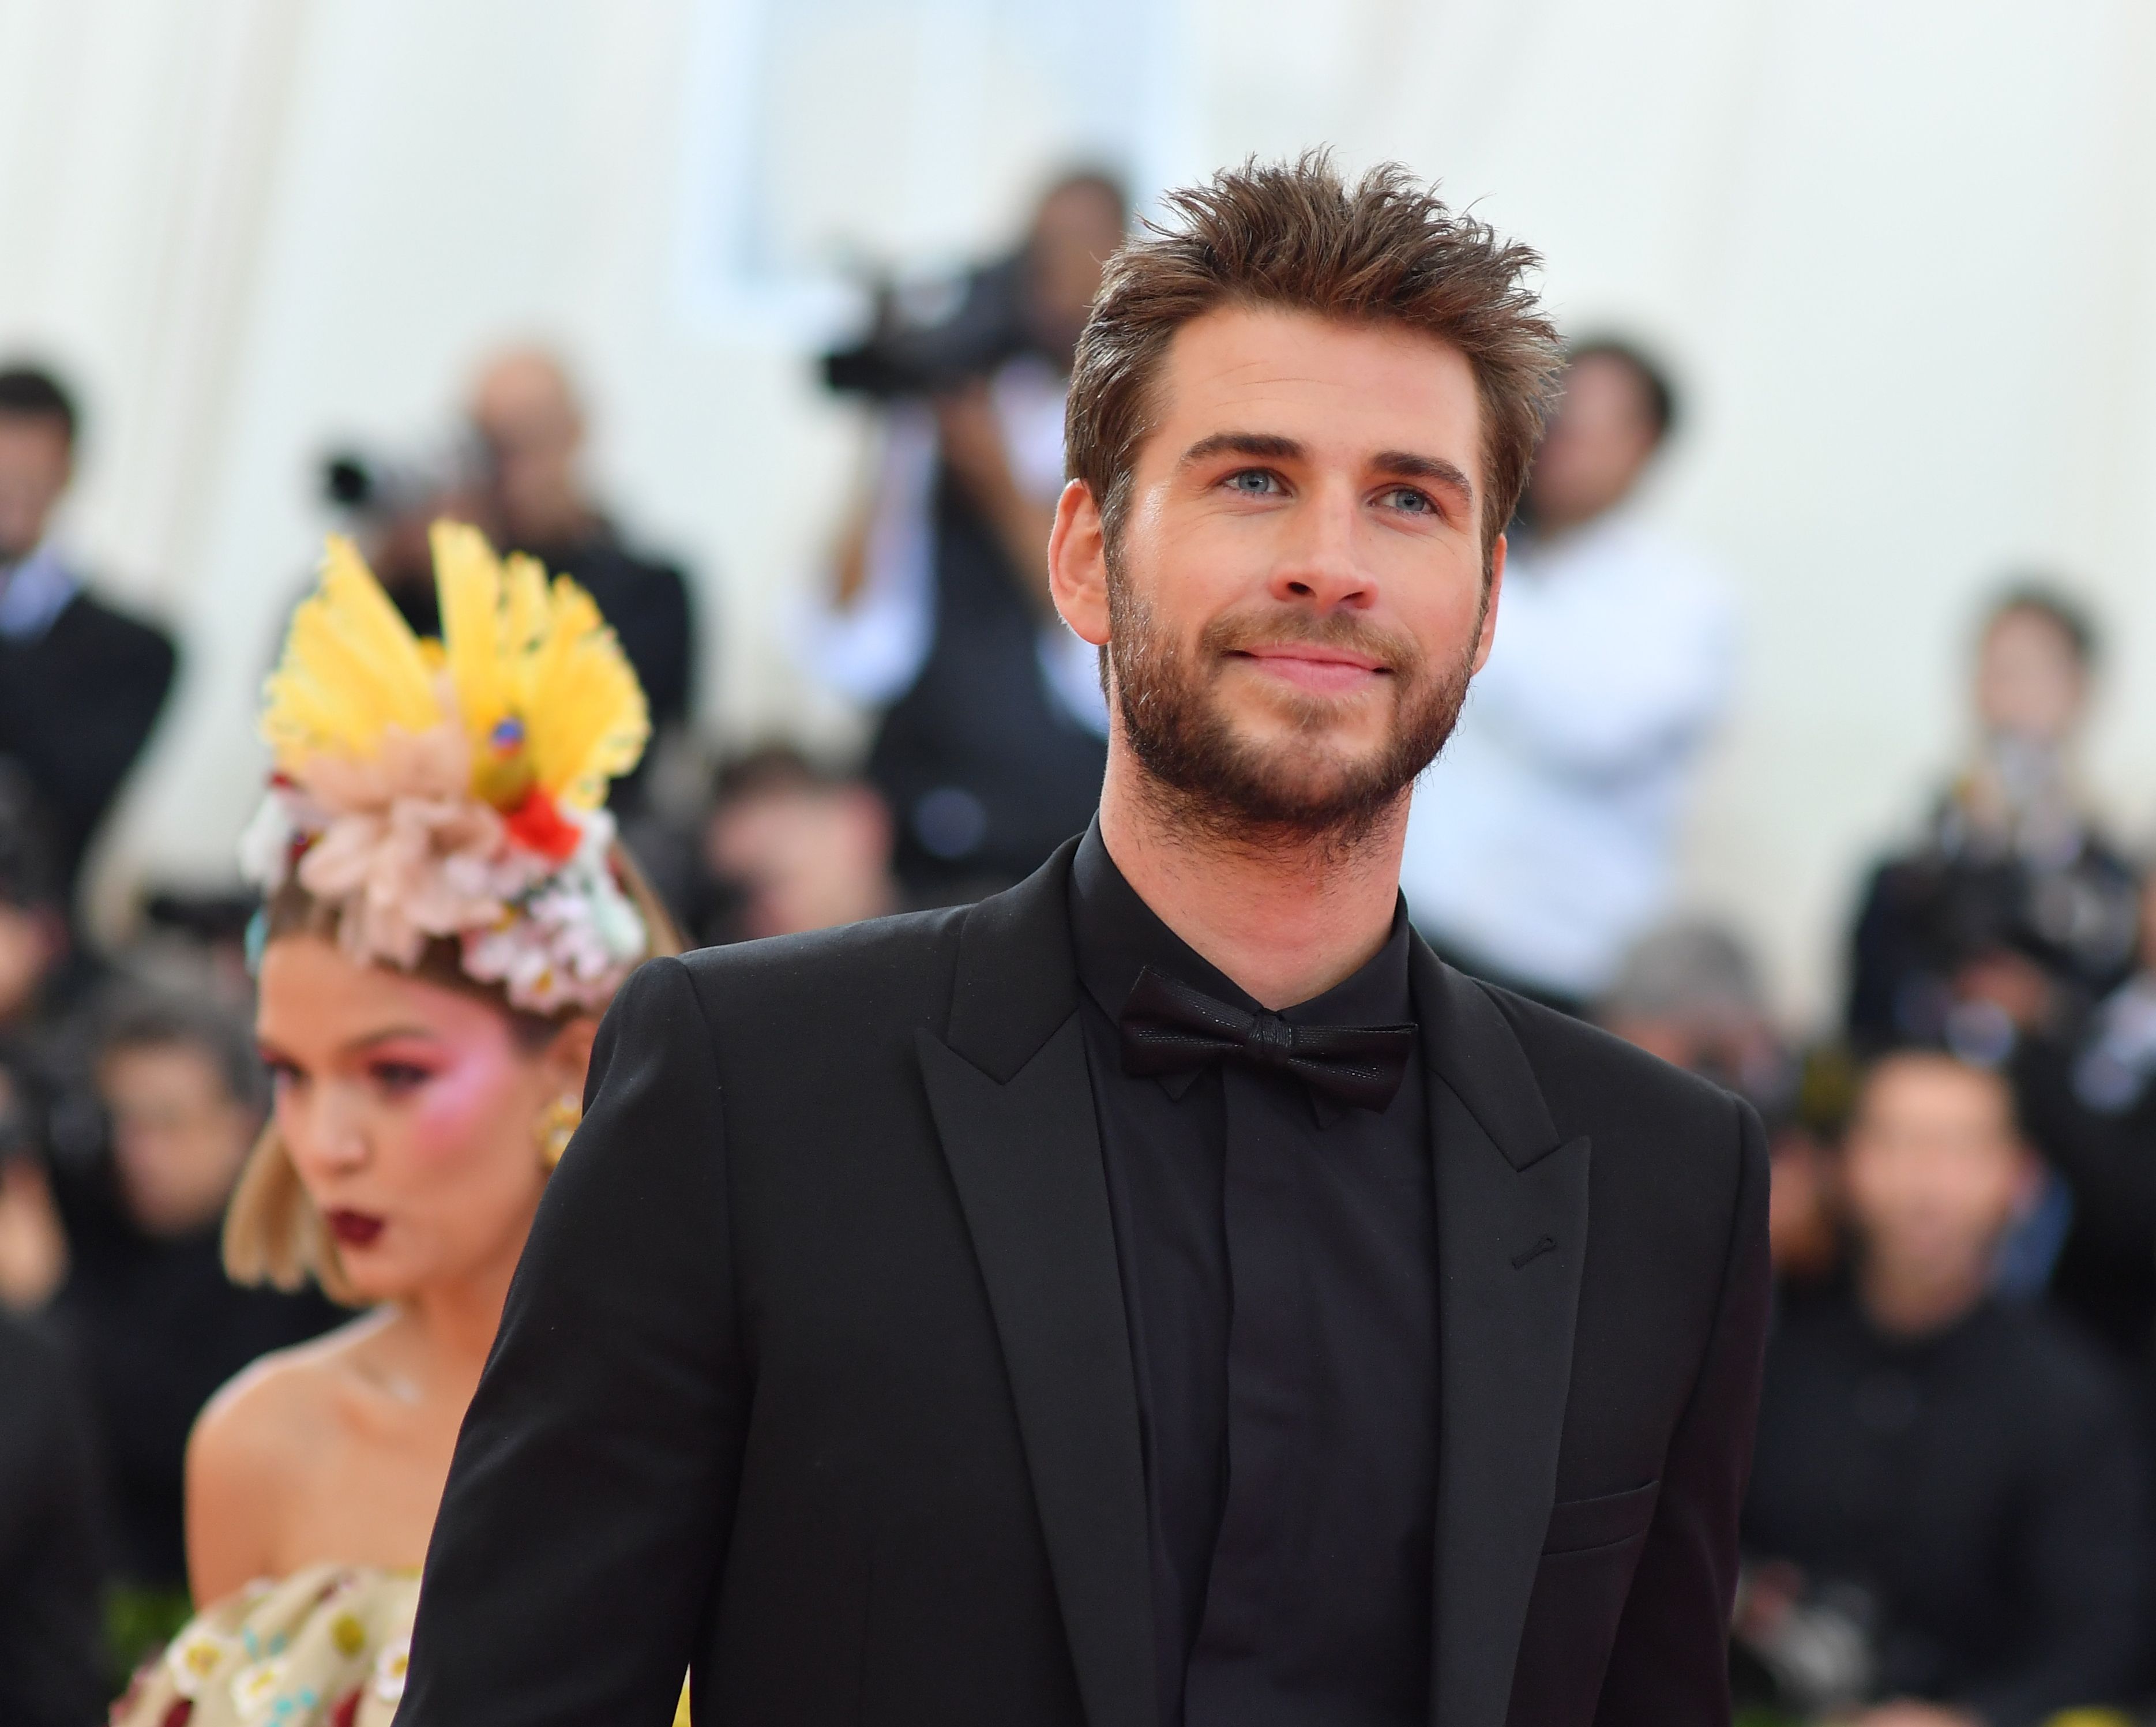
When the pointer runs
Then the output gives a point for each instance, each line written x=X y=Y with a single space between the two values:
x=354 y=1229
x=1324 y=670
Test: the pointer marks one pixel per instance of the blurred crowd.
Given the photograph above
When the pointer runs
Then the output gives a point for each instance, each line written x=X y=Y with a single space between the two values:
x=1950 y=1521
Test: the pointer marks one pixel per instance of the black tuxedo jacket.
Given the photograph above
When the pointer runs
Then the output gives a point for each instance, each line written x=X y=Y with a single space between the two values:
x=815 y=1382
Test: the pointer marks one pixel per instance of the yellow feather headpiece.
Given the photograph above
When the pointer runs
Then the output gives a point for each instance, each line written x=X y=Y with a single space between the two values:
x=540 y=685
x=456 y=788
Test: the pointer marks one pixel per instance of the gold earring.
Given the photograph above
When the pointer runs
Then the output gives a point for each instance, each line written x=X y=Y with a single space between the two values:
x=558 y=1122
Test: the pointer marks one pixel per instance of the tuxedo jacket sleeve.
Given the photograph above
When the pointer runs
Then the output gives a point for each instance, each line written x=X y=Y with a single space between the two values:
x=592 y=1497
x=815 y=1381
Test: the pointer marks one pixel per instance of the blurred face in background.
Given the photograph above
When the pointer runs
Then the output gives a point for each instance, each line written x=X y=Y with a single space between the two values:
x=1297 y=598
x=1934 y=1171
x=37 y=458
x=412 y=1112
x=528 y=420
x=1599 y=441
x=2030 y=682
x=179 y=1136
x=803 y=856
x=1076 y=230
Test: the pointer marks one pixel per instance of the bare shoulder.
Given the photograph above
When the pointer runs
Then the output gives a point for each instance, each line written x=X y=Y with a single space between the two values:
x=250 y=1443
x=271 y=1403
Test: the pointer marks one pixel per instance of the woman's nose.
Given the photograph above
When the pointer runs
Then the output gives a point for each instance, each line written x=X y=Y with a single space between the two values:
x=336 y=1136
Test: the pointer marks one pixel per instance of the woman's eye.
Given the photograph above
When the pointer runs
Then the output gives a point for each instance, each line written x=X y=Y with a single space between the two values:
x=283 y=1074
x=1254 y=481
x=399 y=1076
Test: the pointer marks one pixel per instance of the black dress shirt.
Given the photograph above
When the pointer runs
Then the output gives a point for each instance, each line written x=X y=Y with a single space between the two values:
x=1980 y=1487
x=1278 y=1257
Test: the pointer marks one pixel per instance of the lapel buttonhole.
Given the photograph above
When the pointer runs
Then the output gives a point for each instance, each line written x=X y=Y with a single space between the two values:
x=1547 y=1245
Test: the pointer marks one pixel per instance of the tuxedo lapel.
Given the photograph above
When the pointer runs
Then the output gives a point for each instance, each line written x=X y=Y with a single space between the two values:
x=1013 y=1108
x=1511 y=1223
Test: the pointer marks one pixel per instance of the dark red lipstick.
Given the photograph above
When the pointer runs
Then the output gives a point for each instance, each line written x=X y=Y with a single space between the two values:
x=354 y=1229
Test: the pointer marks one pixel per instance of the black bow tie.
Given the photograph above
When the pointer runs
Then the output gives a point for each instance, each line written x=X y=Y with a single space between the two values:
x=1168 y=1027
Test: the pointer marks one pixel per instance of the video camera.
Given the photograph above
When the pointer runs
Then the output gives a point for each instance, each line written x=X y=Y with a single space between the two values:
x=929 y=339
x=374 y=486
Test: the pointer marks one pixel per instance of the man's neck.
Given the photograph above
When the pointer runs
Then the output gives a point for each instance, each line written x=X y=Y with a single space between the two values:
x=568 y=526
x=1284 y=922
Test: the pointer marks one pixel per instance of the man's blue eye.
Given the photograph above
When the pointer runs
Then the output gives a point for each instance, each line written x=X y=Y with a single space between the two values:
x=1404 y=497
x=1251 y=479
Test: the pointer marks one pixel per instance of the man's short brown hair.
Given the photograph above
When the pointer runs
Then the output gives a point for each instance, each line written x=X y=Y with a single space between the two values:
x=1298 y=238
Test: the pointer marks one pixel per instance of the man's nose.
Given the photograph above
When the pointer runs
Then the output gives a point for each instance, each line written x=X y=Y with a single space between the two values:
x=1319 y=564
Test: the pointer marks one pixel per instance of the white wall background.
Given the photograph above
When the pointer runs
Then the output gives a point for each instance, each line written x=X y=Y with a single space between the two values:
x=1899 y=250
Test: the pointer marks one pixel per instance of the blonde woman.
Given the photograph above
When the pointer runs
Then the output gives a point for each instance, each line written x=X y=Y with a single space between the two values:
x=446 y=916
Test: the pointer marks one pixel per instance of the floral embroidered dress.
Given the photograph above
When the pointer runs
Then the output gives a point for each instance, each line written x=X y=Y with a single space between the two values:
x=325 y=1647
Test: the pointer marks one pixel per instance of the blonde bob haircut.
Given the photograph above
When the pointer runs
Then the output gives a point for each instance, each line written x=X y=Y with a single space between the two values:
x=273 y=1234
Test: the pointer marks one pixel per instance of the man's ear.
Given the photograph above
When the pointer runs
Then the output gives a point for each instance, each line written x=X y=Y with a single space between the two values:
x=1491 y=592
x=1078 y=564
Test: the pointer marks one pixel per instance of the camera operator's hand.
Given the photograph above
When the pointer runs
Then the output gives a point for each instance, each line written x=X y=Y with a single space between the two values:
x=972 y=437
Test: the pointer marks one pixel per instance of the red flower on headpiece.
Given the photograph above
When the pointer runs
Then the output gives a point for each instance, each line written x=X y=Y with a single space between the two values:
x=537 y=825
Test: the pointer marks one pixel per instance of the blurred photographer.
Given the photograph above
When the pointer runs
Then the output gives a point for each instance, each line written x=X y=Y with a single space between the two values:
x=789 y=847
x=529 y=421
x=518 y=474
x=2015 y=913
x=992 y=740
x=1946 y=1525
x=2088 y=1097
x=155 y=1324
x=1541 y=844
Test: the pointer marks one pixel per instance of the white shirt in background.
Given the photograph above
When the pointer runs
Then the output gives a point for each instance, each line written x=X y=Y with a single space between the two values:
x=1541 y=843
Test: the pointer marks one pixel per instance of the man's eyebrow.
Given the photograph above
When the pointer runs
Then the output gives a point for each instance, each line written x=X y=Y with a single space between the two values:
x=1264 y=445
x=1406 y=465
x=1271 y=446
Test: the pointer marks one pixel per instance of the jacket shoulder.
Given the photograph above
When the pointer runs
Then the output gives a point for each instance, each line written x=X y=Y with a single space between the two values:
x=94 y=623
x=1595 y=1082
x=897 y=968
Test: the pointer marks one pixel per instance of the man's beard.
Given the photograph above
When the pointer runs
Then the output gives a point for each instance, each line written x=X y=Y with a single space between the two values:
x=1299 y=790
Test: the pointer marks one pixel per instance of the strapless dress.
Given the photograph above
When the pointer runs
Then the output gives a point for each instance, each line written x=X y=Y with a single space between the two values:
x=324 y=1648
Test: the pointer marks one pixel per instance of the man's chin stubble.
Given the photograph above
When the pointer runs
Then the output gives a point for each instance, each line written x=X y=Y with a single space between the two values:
x=1298 y=792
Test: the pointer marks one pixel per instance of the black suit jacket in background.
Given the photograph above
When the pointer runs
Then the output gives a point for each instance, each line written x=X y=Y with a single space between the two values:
x=815 y=1379
x=77 y=705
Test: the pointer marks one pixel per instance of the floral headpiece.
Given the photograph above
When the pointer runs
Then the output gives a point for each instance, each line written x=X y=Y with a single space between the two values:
x=456 y=788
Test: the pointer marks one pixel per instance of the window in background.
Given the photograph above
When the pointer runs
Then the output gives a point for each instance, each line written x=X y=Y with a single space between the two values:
x=827 y=140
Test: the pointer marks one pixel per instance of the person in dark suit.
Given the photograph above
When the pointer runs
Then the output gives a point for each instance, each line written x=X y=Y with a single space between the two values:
x=81 y=683
x=530 y=427
x=1163 y=1292
x=1950 y=1498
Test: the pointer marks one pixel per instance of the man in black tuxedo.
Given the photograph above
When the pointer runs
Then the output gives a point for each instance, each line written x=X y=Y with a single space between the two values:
x=1164 y=1292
